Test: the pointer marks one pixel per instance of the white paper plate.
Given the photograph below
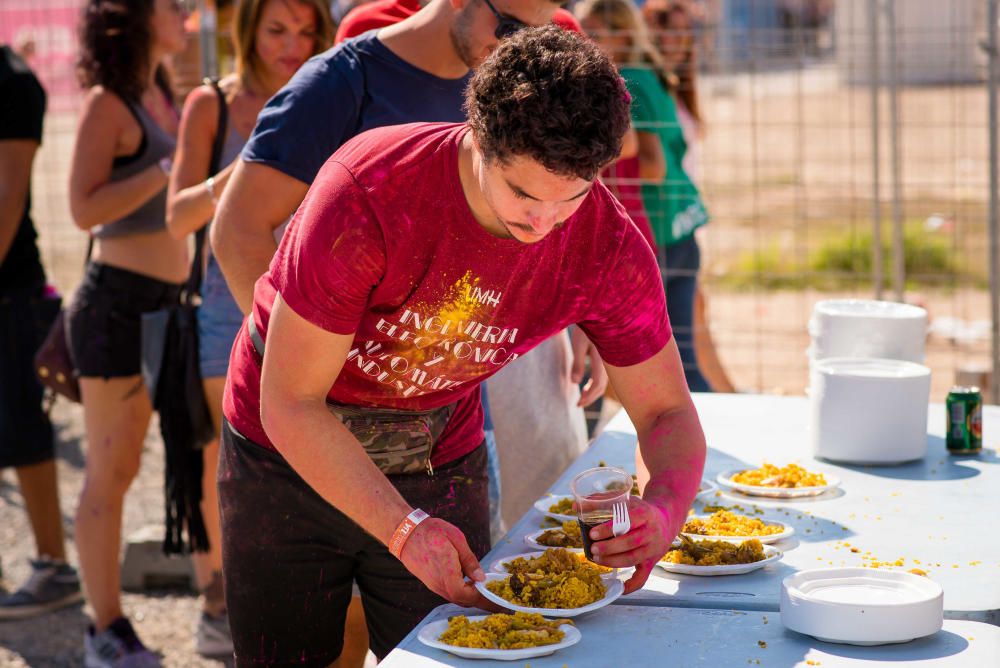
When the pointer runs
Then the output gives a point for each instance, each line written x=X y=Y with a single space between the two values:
x=771 y=554
x=429 y=636
x=500 y=565
x=615 y=588
x=726 y=480
x=787 y=532
x=861 y=606
x=531 y=540
x=706 y=489
x=543 y=504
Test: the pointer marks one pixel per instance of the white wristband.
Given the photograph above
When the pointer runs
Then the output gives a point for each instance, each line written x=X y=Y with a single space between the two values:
x=166 y=165
x=210 y=188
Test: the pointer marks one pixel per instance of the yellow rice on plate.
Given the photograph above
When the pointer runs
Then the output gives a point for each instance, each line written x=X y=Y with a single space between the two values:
x=557 y=579
x=787 y=477
x=567 y=535
x=727 y=523
x=504 y=631
x=715 y=552
x=562 y=506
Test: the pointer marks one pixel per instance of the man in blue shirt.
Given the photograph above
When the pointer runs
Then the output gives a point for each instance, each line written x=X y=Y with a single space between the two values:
x=416 y=70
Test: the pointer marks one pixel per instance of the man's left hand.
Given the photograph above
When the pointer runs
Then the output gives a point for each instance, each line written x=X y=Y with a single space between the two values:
x=598 y=382
x=653 y=530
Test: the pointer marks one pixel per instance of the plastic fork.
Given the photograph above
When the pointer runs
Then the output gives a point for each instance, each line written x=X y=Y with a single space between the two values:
x=620 y=522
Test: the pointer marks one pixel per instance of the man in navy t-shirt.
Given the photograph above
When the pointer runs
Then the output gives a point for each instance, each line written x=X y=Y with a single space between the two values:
x=416 y=70
x=351 y=88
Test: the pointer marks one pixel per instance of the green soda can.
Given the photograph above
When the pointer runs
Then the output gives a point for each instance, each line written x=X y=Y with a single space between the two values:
x=965 y=421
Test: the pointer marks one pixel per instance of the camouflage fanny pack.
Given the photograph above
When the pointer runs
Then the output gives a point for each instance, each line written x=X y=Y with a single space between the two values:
x=397 y=441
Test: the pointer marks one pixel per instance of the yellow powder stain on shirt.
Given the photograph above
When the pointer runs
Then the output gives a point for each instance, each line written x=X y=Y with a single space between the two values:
x=459 y=303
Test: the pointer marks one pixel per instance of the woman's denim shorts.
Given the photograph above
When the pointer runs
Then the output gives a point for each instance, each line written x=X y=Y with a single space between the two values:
x=219 y=321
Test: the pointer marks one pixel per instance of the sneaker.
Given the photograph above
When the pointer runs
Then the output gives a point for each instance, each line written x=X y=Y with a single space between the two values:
x=52 y=585
x=117 y=647
x=213 y=637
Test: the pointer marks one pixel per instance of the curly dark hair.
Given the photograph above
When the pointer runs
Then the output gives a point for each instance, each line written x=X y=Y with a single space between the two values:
x=550 y=95
x=115 y=37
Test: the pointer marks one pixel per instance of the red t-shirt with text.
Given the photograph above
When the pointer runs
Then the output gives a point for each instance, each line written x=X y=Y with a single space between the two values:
x=384 y=247
x=382 y=13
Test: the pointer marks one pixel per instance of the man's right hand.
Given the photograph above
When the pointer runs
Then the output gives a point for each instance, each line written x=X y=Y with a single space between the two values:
x=439 y=556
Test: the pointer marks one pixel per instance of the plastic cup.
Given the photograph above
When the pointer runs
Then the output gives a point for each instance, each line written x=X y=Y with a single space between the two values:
x=596 y=491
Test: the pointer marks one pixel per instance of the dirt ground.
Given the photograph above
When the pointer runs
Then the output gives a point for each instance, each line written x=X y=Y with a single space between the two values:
x=164 y=620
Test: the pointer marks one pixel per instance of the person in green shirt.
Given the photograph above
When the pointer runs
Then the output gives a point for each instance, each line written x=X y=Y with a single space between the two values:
x=671 y=200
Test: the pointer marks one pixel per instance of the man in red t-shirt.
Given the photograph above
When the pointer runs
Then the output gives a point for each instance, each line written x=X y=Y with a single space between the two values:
x=423 y=259
x=382 y=13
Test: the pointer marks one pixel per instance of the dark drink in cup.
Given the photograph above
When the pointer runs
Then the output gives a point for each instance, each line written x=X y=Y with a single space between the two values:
x=596 y=492
x=587 y=522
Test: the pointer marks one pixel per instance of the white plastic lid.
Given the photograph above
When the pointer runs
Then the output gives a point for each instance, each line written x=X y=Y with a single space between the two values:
x=862 y=586
x=870 y=368
x=868 y=308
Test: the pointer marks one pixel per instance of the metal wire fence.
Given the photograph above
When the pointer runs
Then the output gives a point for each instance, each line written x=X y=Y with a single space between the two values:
x=847 y=150
x=845 y=153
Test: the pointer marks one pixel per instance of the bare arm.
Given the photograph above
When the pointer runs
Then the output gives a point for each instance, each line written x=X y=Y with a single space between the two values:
x=652 y=161
x=630 y=144
x=582 y=350
x=189 y=203
x=672 y=448
x=92 y=199
x=256 y=201
x=16 y=156
x=704 y=347
x=328 y=457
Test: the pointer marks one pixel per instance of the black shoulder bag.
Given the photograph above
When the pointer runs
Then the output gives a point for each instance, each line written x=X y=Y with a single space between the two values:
x=53 y=361
x=170 y=371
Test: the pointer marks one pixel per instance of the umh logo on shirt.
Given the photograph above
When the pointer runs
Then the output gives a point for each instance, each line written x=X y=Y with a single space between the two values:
x=428 y=348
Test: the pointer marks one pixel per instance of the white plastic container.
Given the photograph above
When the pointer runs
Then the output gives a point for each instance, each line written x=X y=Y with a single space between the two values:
x=861 y=606
x=869 y=411
x=865 y=328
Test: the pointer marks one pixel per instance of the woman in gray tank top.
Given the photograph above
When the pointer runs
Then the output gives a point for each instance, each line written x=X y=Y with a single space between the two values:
x=272 y=38
x=121 y=162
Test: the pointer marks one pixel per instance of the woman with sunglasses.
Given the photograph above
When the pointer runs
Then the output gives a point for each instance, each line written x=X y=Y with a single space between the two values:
x=118 y=182
x=671 y=200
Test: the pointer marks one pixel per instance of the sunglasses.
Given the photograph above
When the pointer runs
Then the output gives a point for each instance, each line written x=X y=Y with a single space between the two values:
x=506 y=25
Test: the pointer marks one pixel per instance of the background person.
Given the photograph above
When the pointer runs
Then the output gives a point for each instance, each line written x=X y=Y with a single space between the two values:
x=365 y=16
x=118 y=178
x=672 y=26
x=671 y=200
x=500 y=223
x=272 y=38
x=26 y=438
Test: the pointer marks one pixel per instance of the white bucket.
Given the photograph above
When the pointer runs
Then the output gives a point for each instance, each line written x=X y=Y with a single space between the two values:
x=869 y=411
x=865 y=328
